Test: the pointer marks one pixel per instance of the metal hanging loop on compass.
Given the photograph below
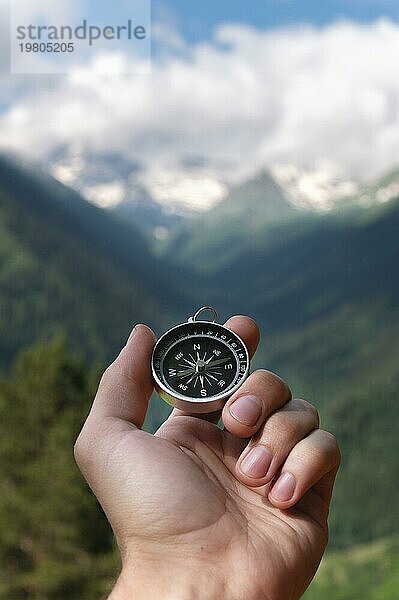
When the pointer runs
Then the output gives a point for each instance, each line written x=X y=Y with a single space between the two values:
x=201 y=310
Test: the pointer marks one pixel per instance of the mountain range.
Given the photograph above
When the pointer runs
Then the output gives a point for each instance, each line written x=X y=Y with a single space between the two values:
x=120 y=183
x=323 y=287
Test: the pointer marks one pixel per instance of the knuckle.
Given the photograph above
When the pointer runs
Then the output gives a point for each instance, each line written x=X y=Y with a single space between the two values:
x=80 y=448
x=274 y=383
x=324 y=536
x=107 y=376
x=83 y=447
x=332 y=446
x=311 y=409
x=283 y=428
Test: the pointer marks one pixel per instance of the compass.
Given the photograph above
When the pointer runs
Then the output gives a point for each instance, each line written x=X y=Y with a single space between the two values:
x=197 y=365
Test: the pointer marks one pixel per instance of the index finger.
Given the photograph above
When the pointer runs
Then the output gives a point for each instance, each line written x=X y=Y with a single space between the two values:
x=247 y=329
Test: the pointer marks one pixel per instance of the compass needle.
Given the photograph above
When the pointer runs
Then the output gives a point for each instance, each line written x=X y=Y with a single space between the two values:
x=220 y=361
x=192 y=364
x=185 y=372
x=207 y=380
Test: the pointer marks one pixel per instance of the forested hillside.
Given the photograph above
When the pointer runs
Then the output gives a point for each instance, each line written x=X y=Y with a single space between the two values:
x=364 y=572
x=55 y=542
x=67 y=267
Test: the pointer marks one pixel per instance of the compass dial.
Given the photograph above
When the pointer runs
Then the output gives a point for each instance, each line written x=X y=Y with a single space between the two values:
x=199 y=361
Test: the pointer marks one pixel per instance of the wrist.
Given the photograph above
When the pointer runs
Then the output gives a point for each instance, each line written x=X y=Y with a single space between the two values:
x=134 y=586
x=153 y=588
x=168 y=580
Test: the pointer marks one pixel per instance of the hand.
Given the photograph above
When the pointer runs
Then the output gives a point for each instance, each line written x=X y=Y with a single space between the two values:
x=203 y=513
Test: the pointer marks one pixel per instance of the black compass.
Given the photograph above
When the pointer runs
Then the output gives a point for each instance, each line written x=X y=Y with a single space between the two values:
x=199 y=364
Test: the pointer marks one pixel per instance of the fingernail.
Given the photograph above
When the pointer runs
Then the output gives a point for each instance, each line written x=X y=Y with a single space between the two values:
x=132 y=334
x=284 y=488
x=256 y=463
x=246 y=409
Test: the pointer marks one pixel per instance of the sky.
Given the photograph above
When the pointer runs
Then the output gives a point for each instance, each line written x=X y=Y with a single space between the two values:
x=234 y=88
x=197 y=20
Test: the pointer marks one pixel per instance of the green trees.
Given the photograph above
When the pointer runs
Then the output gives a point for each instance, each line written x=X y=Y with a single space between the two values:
x=368 y=572
x=54 y=540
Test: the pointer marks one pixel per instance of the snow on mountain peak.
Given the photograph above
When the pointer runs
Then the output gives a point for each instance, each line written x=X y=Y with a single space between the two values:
x=108 y=179
x=184 y=190
x=317 y=189
x=383 y=193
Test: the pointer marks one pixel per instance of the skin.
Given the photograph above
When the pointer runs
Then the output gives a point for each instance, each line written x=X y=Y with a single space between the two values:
x=188 y=521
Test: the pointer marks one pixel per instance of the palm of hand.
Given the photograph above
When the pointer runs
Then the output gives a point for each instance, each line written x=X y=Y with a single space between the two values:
x=181 y=499
x=191 y=498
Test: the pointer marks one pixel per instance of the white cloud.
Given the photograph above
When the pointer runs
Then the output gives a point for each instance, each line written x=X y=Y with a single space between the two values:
x=243 y=101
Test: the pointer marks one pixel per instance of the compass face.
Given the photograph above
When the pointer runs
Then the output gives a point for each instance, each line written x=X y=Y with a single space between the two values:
x=202 y=361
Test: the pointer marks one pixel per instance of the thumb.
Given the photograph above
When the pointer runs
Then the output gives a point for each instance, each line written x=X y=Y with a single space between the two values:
x=126 y=385
x=121 y=401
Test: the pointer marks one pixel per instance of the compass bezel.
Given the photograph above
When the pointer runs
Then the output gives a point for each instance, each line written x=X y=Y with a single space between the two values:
x=188 y=403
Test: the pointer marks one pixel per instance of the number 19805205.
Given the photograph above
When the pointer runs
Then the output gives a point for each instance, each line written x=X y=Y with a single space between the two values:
x=47 y=47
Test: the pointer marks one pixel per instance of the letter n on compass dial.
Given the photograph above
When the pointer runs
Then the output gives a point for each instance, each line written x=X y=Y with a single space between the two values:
x=201 y=360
